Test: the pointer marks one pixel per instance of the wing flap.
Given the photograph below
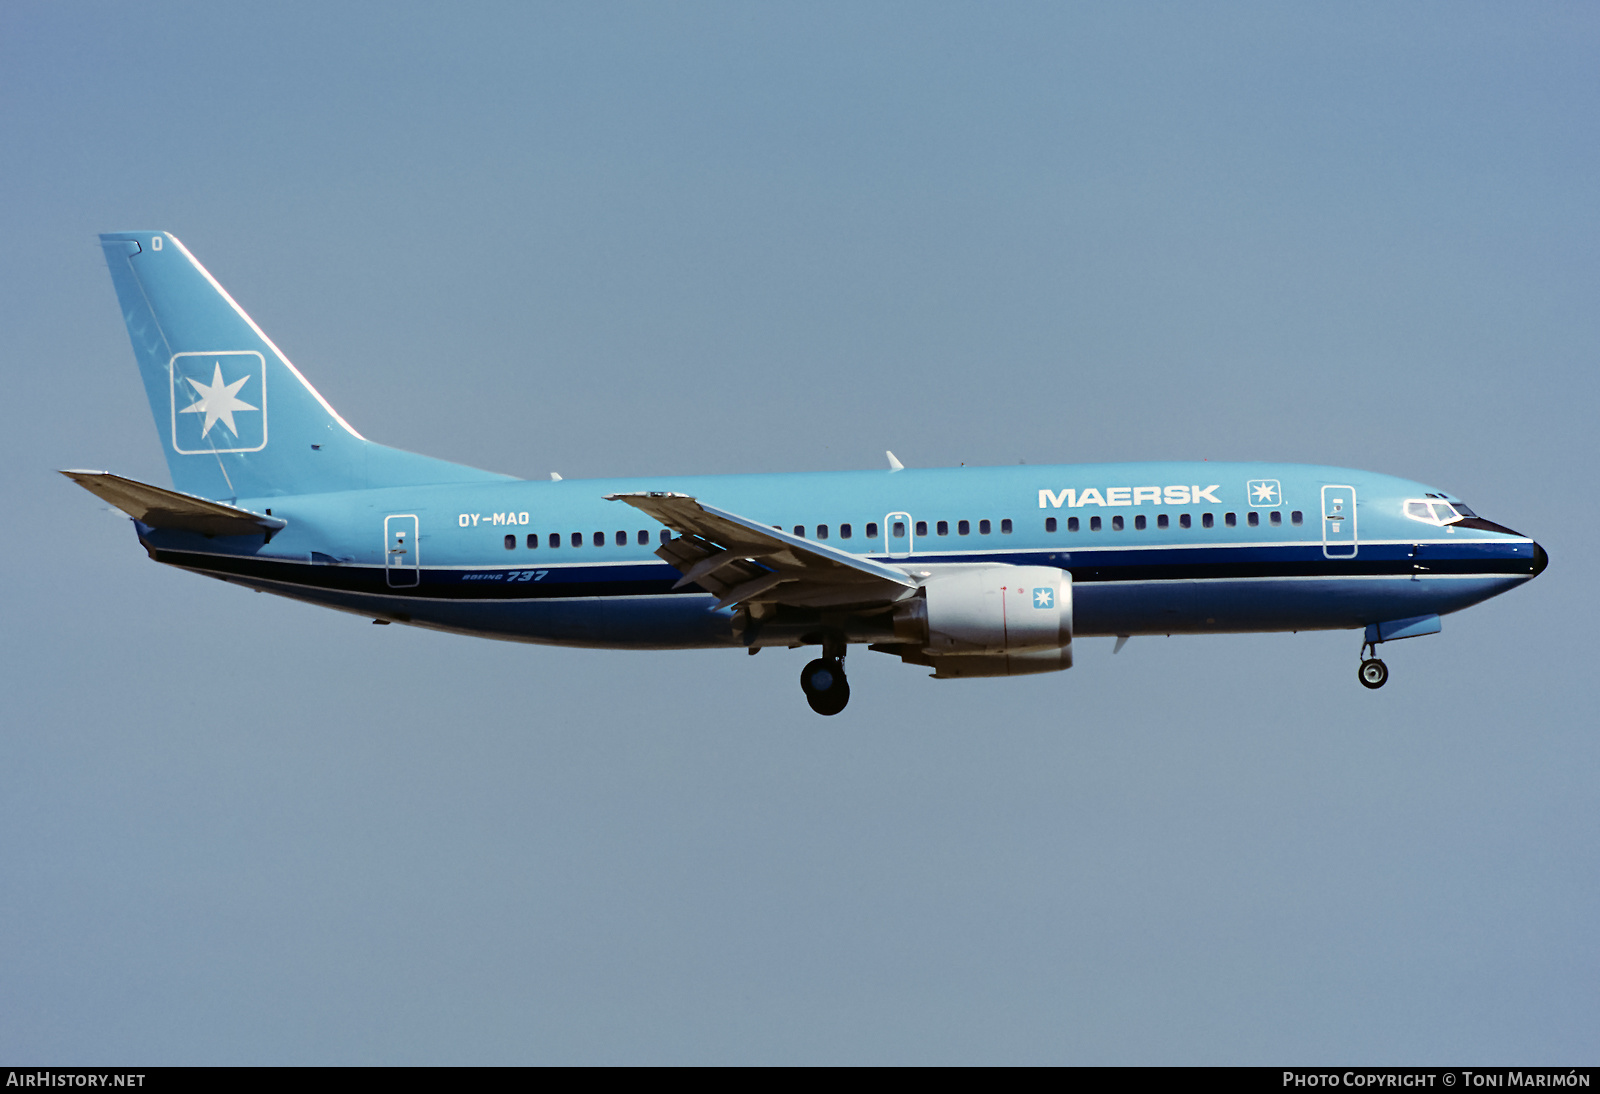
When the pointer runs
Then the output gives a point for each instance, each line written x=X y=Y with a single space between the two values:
x=162 y=508
x=740 y=561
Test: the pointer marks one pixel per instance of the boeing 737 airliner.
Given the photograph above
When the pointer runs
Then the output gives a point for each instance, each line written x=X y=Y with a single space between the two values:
x=968 y=571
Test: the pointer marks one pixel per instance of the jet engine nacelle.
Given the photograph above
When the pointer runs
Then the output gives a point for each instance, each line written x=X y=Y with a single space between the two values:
x=989 y=621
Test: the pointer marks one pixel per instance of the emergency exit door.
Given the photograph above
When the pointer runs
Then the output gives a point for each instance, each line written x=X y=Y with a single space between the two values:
x=898 y=537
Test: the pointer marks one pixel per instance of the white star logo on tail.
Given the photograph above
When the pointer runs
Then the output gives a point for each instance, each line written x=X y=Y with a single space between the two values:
x=217 y=401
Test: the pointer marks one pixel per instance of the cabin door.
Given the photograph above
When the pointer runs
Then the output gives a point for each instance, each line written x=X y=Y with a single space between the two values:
x=401 y=566
x=1339 y=521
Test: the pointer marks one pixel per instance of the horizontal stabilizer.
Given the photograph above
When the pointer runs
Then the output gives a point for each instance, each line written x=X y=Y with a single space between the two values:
x=160 y=508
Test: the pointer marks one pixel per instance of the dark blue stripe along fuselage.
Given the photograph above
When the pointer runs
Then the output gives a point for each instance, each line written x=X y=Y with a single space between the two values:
x=1153 y=548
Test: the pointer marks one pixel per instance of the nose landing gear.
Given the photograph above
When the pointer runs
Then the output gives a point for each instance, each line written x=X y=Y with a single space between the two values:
x=1372 y=673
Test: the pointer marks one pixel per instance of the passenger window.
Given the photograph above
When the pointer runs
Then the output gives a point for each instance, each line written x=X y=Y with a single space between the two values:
x=822 y=531
x=963 y=528
x=1161 y=521
x=800 y=531
x=1275 y=517
x=922 y=527
x=511 y=543
x=1206 y=521
x=983 y=527
x=943 y=528
x=644 y=538
x=872 y=529
x=1005 y=527
x=1094 y=524
x=577 y=539
x=1230 y=519
x=844 y=531
x=533 y=540
x=1049 y=524
x=599 y=539
x=1297 y=517
x=899 y=529
x=1072 y=524
x=1138 y=523
x=666 y=535
x=620 y=539
x=1183 y=520
x=1254 y=519
x=555 y=540
x=1116 y=524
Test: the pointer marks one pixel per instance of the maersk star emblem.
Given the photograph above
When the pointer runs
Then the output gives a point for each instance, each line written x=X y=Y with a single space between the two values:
x=217 y=401
x=1044 y=597
x=1264 y=493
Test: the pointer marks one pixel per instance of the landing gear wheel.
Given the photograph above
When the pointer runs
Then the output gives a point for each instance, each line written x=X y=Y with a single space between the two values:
x=825 y=686
x=1373 y=674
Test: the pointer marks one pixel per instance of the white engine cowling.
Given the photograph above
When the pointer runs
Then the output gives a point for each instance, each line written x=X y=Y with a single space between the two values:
x=990 y=620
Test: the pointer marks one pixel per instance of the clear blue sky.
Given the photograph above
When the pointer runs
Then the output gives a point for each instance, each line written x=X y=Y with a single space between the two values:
x=618 y=238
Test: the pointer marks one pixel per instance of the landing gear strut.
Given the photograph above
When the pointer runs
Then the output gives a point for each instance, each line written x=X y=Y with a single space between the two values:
x=823 y=680
x=1373 y=673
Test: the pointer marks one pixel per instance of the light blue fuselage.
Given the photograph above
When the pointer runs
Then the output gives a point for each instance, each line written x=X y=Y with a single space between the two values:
x=466 y=563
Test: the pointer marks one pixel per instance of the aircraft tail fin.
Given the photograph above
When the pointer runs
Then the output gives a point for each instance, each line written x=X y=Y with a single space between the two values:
x=236 y=418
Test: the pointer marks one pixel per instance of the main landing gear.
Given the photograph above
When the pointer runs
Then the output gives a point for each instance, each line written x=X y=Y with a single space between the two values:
x=1373 y=673
x=824 y=682
x=825 y=685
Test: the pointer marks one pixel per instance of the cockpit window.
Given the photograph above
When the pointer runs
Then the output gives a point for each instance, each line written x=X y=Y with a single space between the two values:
x=1432 y=511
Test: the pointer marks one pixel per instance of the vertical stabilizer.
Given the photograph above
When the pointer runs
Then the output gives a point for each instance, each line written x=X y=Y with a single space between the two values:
x=236 y=419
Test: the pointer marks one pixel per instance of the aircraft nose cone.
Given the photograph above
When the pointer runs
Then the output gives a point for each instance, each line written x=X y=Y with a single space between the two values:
x=1540 y=560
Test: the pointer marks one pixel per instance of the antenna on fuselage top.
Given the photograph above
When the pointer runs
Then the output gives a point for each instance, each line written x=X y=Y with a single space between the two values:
x=894 y=464
x=554 y=477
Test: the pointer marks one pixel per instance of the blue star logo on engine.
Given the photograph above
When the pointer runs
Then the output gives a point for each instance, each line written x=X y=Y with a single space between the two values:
x=219 y=402
x=1044 y=597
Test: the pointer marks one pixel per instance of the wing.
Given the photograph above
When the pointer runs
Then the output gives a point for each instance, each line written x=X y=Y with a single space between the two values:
x=161 y=508
x=742 y=562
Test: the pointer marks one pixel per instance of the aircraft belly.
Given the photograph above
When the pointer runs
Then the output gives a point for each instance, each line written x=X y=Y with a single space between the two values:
x=615 y=616
x=1268 y=604
x=644 y=623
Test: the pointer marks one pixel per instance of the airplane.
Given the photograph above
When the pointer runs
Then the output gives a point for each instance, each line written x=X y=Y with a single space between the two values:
x=972 y=572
